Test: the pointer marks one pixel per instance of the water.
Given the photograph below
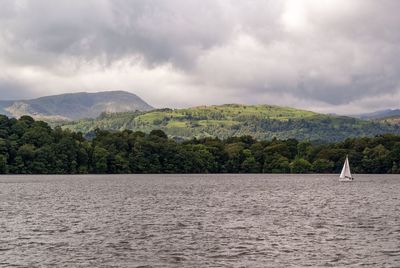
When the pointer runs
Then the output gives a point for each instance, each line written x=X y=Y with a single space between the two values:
x=199 y=221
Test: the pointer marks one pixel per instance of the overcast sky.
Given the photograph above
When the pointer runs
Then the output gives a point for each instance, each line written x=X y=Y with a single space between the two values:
x=338 y=56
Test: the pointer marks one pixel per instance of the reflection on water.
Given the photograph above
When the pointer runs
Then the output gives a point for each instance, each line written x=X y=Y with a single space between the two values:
x=199 y=221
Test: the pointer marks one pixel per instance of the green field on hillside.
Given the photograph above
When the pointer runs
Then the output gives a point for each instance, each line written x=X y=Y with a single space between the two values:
x=263 y=122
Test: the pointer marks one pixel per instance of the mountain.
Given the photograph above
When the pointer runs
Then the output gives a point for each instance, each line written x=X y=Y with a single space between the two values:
x=263 y=122
x=75 y=106
x=393 y=120
x=379 y=114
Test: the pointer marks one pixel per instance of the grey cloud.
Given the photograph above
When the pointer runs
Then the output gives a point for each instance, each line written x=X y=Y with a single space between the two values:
x=14 y=90
x=335 y=52
x=333 y=60
x=160 y=31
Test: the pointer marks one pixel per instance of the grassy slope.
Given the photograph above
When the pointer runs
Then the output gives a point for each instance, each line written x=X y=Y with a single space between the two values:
x=259 y=121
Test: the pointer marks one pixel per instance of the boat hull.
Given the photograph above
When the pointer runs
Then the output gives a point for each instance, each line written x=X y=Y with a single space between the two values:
x=346 y=180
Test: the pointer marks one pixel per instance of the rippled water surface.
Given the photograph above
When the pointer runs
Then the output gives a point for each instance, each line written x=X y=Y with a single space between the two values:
x=199 y=221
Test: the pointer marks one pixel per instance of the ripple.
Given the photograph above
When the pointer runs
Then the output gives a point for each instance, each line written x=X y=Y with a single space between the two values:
x=199 y=221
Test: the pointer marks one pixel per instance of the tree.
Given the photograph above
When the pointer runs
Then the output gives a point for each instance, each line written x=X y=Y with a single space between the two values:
x=235 y=156
x=158 y=133
x=24 y=159
x=377 y=160
x=276 y=164
x=249 y=165
x=300 y=165
x=323 y=166
x=38 y=134
x=100 y=156
x=4 y=126
x=3 y=164
x=304 y=149
x=120 y=164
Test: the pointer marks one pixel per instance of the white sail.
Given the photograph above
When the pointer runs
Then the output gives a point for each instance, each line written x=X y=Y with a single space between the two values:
x=346 y=174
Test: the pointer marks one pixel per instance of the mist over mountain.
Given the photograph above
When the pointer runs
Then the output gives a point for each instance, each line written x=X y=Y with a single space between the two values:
x=379 y=114
x=74 y=106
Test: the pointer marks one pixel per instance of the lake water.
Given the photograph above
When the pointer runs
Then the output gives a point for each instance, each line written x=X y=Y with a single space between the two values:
x=199 y=221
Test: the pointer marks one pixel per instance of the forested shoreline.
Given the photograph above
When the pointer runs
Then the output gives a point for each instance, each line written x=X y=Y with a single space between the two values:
x=33 y=147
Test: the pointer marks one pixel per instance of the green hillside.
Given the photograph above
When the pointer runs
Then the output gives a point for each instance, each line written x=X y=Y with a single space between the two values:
x=263 y=122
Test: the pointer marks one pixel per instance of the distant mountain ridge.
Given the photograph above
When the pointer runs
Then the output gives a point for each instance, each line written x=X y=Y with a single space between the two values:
x=75 y=106
x=378 y=114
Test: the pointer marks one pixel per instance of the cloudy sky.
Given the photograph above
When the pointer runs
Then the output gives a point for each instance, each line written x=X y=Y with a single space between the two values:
x=338 y=56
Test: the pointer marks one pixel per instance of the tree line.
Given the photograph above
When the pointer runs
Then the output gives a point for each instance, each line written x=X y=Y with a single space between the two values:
x=33 y=147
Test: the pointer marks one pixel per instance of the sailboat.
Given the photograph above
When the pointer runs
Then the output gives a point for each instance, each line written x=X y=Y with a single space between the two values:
x=346 y=174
